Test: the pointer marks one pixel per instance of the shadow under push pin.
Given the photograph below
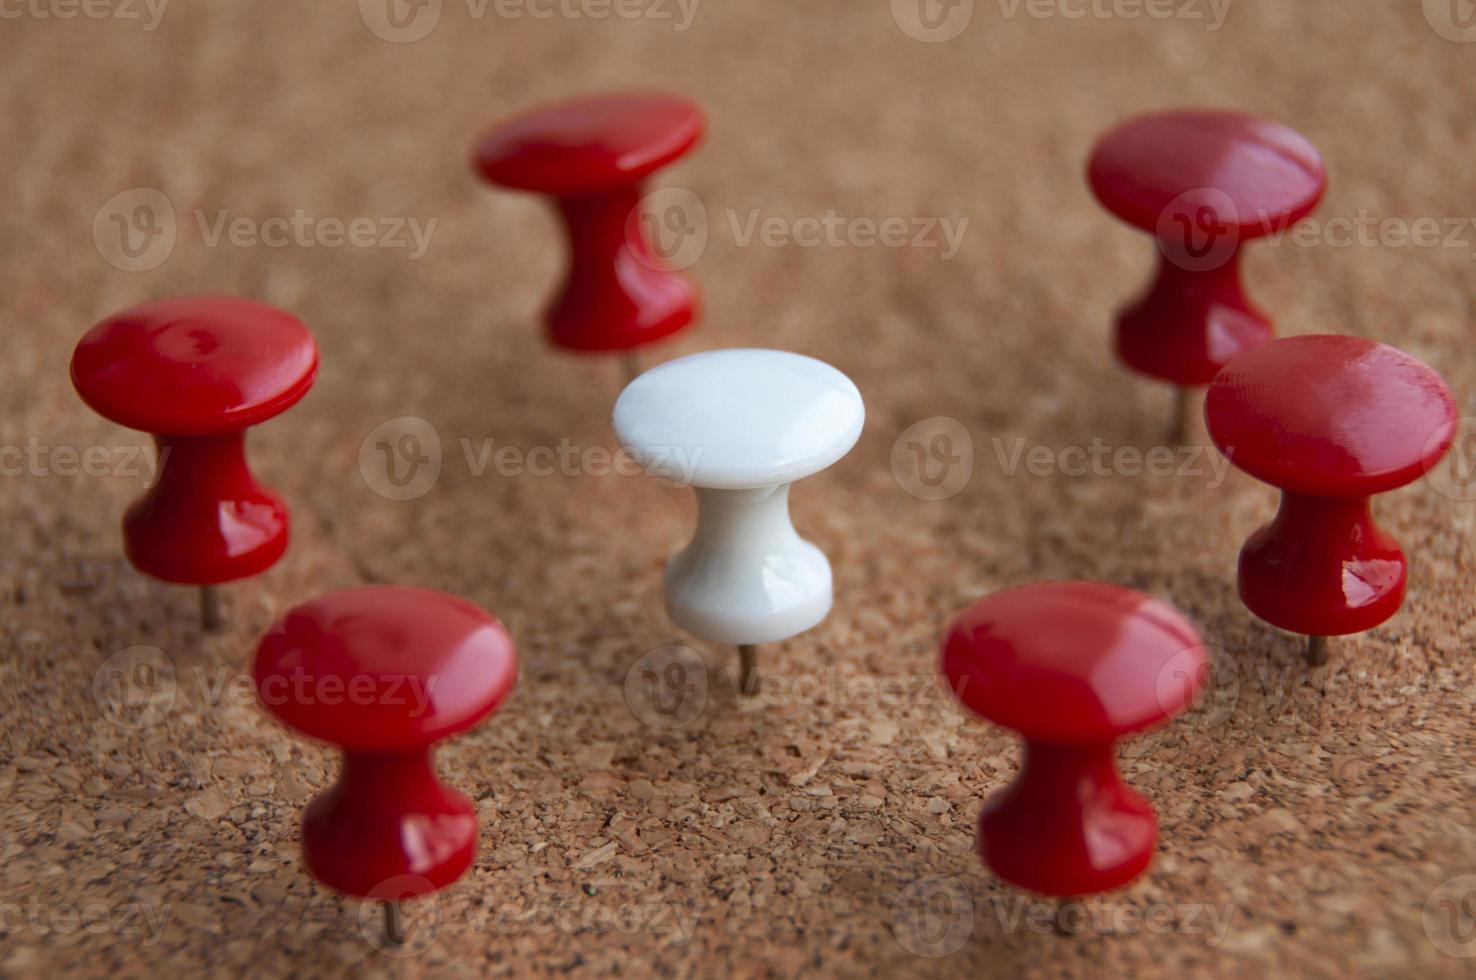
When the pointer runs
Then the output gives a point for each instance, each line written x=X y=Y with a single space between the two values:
x=1072 y=667
x=593 y=155
x=1330 y=421
x=1202 y=182
x=385 y=672
x=197 y=371
x=740 y=426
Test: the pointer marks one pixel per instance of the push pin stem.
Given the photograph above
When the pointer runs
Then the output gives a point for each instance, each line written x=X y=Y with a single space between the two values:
x=1316 y=651
x=630 y=361
x=210 y=618
x=394 y=923
x=1064 y=905
x=1179 y=423
x=748 y=681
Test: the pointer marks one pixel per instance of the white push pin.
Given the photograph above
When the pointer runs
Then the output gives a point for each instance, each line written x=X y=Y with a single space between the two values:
x=740 y=426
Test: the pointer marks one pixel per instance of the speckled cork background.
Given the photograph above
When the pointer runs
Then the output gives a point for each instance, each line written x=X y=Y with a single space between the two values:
x=1314 y=823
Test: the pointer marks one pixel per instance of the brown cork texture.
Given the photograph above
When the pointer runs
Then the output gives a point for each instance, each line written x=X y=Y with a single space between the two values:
x=1313 y=823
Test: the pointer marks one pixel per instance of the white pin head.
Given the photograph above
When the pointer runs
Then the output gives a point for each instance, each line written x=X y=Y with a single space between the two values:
x=740 y=426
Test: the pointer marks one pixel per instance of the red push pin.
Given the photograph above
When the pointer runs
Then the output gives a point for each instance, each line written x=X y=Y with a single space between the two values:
x=1330 y=421
x=1072 y=667
x=197 y=371
x=594 y=155
x=385 y=672
x=1203 y=182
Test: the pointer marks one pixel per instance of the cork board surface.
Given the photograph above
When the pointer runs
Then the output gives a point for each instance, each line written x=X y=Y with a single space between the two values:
x=1314 y=823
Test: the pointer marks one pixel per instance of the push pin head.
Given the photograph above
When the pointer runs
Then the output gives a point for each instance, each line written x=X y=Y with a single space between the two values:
x=197 y=372
x=384 y=673
x=1330 y=421
x=1203 y=182
x=593 y=155
x=1072 y=667
x=740 y=426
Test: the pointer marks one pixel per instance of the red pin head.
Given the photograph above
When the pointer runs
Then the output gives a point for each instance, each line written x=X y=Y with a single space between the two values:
x=196 y=372
x=1330 y=421
x=1072 y=667
x=384 y=673
x=593 y=155
x=1203 y=182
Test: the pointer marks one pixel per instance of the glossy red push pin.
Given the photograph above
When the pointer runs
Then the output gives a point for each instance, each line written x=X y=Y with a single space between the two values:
x=593 y=155
x=385 y=672
x=197 y=371
x=1203 y=182
x=1330 y=421
x=1072 y=667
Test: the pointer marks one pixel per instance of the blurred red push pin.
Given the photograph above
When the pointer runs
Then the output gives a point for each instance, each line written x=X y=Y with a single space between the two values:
x=1072 y=667
x=1203 y=182
x=385 y=672
x=593 y=155
x=1330 y=421
x=197 y=371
